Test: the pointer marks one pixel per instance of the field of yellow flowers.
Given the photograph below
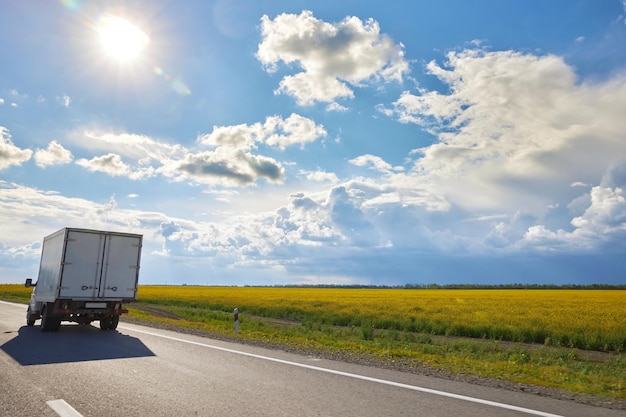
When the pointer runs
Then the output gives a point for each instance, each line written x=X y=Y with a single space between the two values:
x=586 y=319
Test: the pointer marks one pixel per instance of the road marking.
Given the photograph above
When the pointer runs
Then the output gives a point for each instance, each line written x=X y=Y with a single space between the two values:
x=13 y=304
x=63 y=409
x=357 y=376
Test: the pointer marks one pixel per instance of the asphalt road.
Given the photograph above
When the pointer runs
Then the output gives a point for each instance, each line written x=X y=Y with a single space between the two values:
x=141 y=371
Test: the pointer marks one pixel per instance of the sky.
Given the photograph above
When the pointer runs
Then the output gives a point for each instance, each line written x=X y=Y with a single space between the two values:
x=299 y=142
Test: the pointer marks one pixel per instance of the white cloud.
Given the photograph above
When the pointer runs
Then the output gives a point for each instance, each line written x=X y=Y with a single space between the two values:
x=9 y=153
x=374 y=162
x=321 y=176
x=515 y=132
x=27 y=214
x=605 y=216
x=224 y=166
x=231 y=163
x=602 y=223
x=29 y=251
x=334 y=56
x=336 y=107
x=110 y=164
x=275 y=131
x=513 y=129
x=239 y=136
x=294 y=130
x=52 y=155
x=139 y=147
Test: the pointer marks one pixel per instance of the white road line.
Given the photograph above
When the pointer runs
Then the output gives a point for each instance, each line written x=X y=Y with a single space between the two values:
x=357 y=376
x=63 y=409
x=13 y=304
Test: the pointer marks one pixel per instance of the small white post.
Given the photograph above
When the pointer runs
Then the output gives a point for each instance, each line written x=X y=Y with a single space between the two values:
x=236 y=320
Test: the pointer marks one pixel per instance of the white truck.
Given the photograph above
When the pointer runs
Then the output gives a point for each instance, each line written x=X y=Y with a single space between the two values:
x=84 y=275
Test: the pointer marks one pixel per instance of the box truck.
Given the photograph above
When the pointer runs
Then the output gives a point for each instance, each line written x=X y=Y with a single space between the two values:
x=84 y=275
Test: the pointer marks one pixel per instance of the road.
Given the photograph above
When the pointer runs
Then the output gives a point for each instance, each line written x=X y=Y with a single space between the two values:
x=141 y=371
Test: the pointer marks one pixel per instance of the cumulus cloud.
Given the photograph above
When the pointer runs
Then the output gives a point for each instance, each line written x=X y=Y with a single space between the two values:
x=334 y=57
x=26 y=211
x=225 y=166
x=602 y=223
x=54 y=154
x=375 y=163
x=275 y=131
x=9 y=153
x=111 y=164
x=295 y=130
x=515 y=131
x=606 y=215
x=513 y=128
x=232 y=161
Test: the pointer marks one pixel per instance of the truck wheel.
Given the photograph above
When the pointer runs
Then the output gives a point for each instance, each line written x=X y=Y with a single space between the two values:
x=49 y=323
x=114 y=322
x=46 y=320
x=29 y=320
x=56 y=325
x=105 y=323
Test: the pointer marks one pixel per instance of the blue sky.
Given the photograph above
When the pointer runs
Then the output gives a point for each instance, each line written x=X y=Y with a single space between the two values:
x=320 y=142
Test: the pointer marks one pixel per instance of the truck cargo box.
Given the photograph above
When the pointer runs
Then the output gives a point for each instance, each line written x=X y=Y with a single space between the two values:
x=82 y=264
x=85 y=275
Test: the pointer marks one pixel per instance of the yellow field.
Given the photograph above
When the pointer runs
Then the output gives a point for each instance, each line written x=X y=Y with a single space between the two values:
x=588 y=319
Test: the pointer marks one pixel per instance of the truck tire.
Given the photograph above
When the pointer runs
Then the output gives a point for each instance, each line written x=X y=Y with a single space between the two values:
x=46 y=319
x=49 y=323
x=109 y=323
x=30 y=321
x=56 y=324
x=115 y=320
x=104 y=323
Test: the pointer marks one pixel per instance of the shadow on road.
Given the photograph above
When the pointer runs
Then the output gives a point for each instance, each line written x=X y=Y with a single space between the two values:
x=73 y=343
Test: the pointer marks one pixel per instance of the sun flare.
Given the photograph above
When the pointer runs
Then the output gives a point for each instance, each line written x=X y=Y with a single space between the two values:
x=121 y=40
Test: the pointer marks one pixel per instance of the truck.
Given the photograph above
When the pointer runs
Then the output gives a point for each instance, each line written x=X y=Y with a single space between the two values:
x=84 y=275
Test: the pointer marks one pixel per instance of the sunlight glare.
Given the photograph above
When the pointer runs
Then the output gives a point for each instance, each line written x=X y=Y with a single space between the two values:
x=121 y=40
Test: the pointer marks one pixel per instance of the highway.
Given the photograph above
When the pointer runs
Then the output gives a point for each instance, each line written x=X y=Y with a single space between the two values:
x=142 y=371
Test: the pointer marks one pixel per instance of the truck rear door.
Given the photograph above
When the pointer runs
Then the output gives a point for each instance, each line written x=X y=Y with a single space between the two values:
x=82 y=265
x=121 y=264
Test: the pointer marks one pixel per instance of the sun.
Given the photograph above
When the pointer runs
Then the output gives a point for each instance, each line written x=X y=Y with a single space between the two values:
x=121 y=40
